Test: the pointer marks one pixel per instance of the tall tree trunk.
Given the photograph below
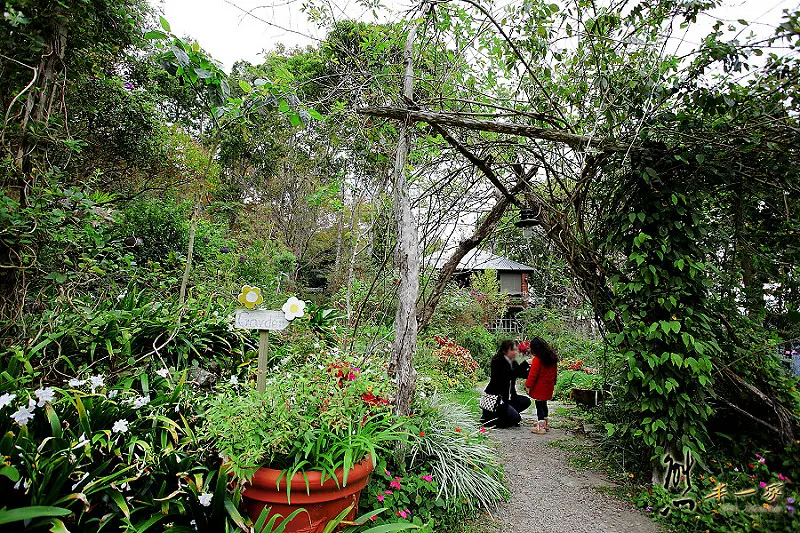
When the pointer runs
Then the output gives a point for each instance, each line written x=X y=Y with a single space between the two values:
x=406 y=254
x=39 y=104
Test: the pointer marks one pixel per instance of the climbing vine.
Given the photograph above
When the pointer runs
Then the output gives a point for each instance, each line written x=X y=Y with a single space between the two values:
x=666 y=332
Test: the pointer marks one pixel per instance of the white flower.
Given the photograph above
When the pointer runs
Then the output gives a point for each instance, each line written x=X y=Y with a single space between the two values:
x=193 y=523
x=293 y=308
x=23 y=483
x=164 y=372
x=83 y=441
x=321 y=367
x=316 y=345
x=286 y=359
x=75 y=382
x=45 y=395
x=23 y=415
x=177 y=407
x=122 y=295
x=6 y=399
x=141 y=401
x=205 y=499
x=215 y=313
x=112 y=394
x=234 y=380
x=120 y=426
x=96 y=382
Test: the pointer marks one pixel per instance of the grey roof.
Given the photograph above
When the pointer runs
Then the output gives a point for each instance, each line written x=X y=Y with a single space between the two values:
x=479 y=260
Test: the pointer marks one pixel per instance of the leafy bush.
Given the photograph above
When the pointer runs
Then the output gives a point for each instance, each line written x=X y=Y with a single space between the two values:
x=571 y=379
x=122 y=457
x=157 y=229
x=321 y=415
x=487 y=292
x=481 y=344
x=457 y=310
x=449 y=471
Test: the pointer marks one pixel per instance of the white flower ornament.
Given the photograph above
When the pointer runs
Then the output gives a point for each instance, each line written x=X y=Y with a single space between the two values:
x=293 y=308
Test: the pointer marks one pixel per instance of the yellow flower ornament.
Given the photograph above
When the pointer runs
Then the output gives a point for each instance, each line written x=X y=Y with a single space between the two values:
x=293 y=308
x=250 y=296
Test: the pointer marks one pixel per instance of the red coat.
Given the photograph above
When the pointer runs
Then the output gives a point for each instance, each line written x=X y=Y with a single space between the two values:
x=542 y=379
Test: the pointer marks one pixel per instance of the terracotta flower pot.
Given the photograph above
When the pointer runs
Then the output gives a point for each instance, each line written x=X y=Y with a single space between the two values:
x=323 y=502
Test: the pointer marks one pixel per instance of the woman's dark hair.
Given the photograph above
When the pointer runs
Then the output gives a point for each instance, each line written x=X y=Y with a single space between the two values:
x=505 y=346
x=543 y=351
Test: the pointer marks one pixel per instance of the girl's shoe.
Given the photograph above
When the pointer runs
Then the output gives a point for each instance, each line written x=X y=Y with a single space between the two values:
x=546 y=425
x=539 y=428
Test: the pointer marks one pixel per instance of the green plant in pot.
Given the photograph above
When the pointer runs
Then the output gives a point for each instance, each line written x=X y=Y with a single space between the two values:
x=311 y=440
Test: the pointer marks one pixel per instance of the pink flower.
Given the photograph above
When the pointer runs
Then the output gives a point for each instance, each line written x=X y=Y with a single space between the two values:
x=404 y=514
x=373 y=518
x=380 y=497
x=387 y=473
x=762 y=485
x=482 y=430
x=351 y=376
x=395 y=484
x=427 y=478
x=782 y=477
x=388 y=492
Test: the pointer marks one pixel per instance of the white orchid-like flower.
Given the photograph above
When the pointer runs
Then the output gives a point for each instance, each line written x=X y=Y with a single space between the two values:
x=44 y=395
x=120 y=426
x=75 y=382
x=96 y=382
x=293 y=308
x=23 y=415
x=164 y=372
x=205 y=499
x=6 y=399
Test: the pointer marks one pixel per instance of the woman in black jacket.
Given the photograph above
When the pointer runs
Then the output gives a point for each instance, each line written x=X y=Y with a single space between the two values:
x=503 y=381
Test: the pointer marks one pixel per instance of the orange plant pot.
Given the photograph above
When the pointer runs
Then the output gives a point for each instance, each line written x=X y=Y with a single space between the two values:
x=323 y=501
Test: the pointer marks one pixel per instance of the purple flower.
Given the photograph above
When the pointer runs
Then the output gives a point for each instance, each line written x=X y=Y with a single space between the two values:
x=206 y=240
x=790 y=509
x=762 y=485
x=224 y=250
x=128 y=85
x=242 y=259
x=648 y=508
x=790 y=500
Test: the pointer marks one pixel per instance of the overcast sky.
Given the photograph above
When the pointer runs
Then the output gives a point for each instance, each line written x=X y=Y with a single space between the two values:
x=228 y=33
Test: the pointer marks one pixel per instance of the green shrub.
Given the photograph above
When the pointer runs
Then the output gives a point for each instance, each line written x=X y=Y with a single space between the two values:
x=449 y=473
x=481 y=344
x=121 y=458
x=570 y=379
x=159 y=228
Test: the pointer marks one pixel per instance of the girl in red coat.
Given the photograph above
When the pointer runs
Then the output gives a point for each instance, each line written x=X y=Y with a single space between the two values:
x=542 y=380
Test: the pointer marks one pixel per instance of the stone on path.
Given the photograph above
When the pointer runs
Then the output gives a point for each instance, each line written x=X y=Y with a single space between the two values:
x=548 y=496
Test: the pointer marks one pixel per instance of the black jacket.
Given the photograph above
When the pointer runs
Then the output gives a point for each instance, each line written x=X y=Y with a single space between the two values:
x=504 y=377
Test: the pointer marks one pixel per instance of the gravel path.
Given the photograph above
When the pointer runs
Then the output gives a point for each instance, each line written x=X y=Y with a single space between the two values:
x=548 y=496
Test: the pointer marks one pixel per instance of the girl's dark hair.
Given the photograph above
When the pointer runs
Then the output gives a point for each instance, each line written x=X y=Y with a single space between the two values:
x=543 y=351
x=505 y=346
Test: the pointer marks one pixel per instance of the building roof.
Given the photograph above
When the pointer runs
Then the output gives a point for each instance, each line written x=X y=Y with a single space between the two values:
x=481 y=260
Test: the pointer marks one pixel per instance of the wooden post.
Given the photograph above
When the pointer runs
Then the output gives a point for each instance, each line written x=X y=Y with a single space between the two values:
x=263 y=348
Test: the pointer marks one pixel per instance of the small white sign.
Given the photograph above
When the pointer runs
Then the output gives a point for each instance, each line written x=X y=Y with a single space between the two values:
x=260 y=319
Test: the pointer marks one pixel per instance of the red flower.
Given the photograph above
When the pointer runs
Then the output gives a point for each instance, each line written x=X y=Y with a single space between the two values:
x=458 y=430
x=421 y=433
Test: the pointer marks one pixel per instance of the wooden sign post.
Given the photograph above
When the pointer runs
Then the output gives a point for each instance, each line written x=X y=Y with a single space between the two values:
x=264 y=322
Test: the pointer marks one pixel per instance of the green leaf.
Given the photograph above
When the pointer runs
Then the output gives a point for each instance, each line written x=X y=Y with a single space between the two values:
x=283 y=105
x=10 y=472
x=700 y=158
x=294 y=118
x=29 y=513
x=155 y=34
x=58 y=527
x=164 y=24
x=315 y=114
x=386 y=528
x=120 y=501
x=245 y=86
